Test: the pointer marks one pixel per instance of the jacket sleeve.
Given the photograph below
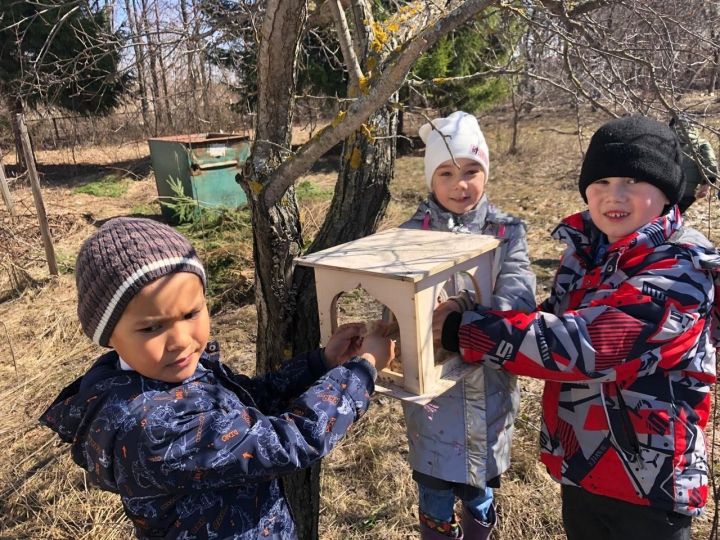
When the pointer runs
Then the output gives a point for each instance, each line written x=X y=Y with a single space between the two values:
x=515 y=282
x=206 y=438
x=273 y=390
x=654 y=319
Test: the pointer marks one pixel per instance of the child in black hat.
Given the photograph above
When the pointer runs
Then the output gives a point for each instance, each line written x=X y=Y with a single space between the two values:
x=193 y=449
x=625 y=343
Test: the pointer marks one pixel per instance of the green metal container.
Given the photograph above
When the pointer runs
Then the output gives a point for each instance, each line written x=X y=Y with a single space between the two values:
x=206 y=165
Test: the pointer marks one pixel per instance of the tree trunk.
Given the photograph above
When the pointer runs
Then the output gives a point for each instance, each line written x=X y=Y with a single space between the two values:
x=15 y=106
x=202 y=65
x=287 y=309
x=363 y=192
x=362 y=189
x=163 y=70
x=191 y=108
x=277 y=237
x=137 y=49
x=144 y=29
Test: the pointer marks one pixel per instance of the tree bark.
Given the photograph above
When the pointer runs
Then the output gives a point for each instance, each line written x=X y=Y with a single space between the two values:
x=287 y=309
x=277 y=237
x=362 y=191
x=137 y=49
x=15 y=106
x=144 y=28
x=158 y=46
x=203 y=64
x=191 y=104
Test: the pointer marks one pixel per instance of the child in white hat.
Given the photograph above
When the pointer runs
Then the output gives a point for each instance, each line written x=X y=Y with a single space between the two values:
x=460 y=442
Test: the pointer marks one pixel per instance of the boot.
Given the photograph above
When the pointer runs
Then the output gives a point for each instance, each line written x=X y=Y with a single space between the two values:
x=426 y=533
x=431 y=530
x=476 y=529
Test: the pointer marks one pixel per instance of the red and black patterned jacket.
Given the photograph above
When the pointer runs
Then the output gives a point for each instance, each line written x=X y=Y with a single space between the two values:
x=626 y=344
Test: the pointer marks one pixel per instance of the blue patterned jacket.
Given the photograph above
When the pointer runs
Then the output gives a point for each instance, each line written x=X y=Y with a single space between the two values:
x=201 y=459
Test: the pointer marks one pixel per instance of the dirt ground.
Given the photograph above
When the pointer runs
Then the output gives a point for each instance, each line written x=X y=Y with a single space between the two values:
x=367 y=492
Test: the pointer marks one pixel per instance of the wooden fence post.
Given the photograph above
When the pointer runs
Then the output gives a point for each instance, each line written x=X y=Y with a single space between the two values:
x=5 y=189
x=37 y=195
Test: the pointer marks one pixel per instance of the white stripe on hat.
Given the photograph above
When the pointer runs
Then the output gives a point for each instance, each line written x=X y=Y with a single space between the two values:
x=132 y=279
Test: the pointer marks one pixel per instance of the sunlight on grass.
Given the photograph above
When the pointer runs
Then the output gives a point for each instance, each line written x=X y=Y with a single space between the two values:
x=109 y=186
x=145 y=209
x=307 y=190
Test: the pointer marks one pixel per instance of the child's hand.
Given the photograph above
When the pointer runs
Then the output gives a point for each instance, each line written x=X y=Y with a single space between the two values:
x=344 y=344
x=439 y=315
x=376 y=348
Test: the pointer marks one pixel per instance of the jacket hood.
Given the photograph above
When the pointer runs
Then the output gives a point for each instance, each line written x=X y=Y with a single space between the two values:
x=71 y=413
x=65 y=415
x=103 y=394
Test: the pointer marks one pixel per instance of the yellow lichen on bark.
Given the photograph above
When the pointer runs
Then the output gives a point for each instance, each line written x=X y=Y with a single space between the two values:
x=255 y=186
x=364 y=84
x=339 y=117
x=355 y=159
x=380 y=37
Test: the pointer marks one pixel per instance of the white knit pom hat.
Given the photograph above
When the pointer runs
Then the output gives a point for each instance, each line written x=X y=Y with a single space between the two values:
x=462 y=136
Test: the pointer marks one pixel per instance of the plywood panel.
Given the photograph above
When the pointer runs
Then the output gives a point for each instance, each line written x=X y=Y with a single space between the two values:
x=402 y=254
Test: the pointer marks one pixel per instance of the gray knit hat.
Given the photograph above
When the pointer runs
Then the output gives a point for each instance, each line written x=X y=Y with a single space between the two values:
x=123 y=256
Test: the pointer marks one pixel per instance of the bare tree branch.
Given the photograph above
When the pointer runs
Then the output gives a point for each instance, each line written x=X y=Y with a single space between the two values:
x=346 y=43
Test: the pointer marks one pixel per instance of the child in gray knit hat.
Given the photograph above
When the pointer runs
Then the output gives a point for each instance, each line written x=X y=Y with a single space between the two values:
x=191 y=447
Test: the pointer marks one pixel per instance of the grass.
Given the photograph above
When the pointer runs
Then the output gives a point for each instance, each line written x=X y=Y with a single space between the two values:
x=112 y=186
x=223 y=238
x=307 y=191
x=65 y=261
x=145 y=209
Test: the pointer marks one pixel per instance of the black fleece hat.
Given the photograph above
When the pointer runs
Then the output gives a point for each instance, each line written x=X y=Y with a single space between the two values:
x=635 y=147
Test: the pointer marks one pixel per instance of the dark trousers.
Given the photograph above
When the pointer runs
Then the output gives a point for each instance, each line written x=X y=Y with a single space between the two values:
x=593 y=517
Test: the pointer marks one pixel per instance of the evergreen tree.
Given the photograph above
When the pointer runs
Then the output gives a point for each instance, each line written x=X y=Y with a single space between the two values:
x=59 y=53
x=471 y=49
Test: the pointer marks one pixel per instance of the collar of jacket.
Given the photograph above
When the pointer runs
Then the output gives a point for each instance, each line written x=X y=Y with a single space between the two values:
x=108 y=366
x=66 y=414
x=444 y=220
x=579 y=232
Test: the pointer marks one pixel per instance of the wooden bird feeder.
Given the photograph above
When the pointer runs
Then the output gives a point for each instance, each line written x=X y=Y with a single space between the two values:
x=406 y=271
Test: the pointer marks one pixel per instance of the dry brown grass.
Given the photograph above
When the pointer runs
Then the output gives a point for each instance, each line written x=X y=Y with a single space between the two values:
x=367 y=490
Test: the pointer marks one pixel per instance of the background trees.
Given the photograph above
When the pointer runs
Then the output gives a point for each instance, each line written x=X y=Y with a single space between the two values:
x=59 y=53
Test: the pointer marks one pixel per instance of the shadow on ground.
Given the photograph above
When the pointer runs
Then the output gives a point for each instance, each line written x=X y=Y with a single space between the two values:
x=72 y=175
